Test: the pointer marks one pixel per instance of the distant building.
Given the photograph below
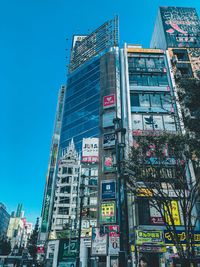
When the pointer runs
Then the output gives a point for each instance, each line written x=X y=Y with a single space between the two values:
x=4 y=220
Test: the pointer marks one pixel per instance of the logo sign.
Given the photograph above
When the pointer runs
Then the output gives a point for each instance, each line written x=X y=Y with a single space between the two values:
x=109 y=101
x=114 y=242
x=182 y=237
x=40 y=249
x=90 y=150
x=108 y=164
x=144 y=237
x=99 y=242
x=67 y=248
x=108 y=189
x=108 y=140
x=108 y=212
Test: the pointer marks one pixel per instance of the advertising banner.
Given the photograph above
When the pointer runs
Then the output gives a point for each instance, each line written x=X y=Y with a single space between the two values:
x=46 y=211
x=67 y=249
x=114 y=240
x=99 y=242
x=108 y=164
x=174 y=210
x=108 y=212
x=108 y=140
x=108 y=189
x=109 y=101
x=182 y=237
x=108 y=119
x=149 y=237
x=90 y=150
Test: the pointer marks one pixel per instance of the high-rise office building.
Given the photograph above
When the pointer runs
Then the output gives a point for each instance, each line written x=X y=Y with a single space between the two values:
x=4 y=220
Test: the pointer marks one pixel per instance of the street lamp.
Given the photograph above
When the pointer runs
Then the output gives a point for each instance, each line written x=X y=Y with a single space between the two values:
x=81 y=196
x=122 y=193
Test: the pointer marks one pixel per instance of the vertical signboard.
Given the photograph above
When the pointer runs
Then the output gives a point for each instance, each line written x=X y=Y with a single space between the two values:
x=108 y=189
x=108 y=163
x=90 y=150
x=99 y=242
x=114 y=241
x=181 y=26
x=109 y=101
x=108 y=119
x=108 y=140
x=108 y=212
x=174 y=211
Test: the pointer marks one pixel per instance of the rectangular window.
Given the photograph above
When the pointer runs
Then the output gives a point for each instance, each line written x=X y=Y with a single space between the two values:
x=64 y=200
x=137 y=122
x=143 y=211
x=64 y=170
x=169 y=123
x=63 y=210
x=65 y=189
x=155 y=100
x=144 y=100
x=152 y=80
x=166 y=102
x=135 y=100
x=162 y=80
x=150 y=63
x=158 y=123
x=65 y=180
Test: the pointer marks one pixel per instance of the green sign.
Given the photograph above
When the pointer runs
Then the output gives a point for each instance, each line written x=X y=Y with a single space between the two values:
x=67 y=249
x=108 y=212
x=149 y=237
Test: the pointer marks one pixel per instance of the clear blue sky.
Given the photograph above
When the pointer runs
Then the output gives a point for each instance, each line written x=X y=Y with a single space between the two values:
x=33 y=66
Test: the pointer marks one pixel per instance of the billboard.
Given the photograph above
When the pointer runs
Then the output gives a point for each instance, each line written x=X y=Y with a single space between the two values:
x=90 y=150
x=108 y=212
x=108 y=164
x=108 y=189
x=99 y=242
x=109 y=101
x=108 y=140
x=182 y=237
x=114 y=240
x=181 y=26
x=174 y=211
x=67 y=250
x=145 y=237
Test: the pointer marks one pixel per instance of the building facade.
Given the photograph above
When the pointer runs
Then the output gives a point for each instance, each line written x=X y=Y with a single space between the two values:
x=4 y=220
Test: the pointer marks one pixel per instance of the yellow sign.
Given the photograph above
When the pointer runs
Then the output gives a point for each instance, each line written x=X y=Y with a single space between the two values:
x=144 y=192
x=144 y=50
x=173 y=211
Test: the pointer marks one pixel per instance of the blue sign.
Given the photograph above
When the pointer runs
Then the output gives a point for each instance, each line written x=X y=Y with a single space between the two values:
x=108 y=189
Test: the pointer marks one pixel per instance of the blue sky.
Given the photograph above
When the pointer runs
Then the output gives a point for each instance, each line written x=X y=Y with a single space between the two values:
x=32 y=68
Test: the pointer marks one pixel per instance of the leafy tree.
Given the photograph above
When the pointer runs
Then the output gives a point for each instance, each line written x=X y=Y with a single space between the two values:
x=159 y=171
x=32 y=243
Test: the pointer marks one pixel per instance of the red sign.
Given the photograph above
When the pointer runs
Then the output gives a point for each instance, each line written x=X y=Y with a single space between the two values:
x=109 y=101
x=40 y=250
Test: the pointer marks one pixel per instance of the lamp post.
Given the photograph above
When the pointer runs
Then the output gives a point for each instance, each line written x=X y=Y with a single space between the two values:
x=122 y=194
x=81 y=196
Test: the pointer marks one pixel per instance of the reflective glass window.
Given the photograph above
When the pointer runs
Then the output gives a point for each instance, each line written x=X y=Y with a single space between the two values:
x=158 y=123
x=150 y=63
x=155 y=100
x=152 y=80
x=144 y=100
x=166 y=101
x=135 y=100
x=162 y=80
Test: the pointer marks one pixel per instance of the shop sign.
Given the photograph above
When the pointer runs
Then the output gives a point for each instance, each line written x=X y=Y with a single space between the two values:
x=108 y=189
x=108 y=212
x=114 y=240
x=182 y=237
x=155 y=216
x=67 y=249
x=109 y=101
x=108 y=140
x=152 y=249
x=99 y=242
x=174 y=211
x=90 y=150
x=108 y=164
x=108 y=119
x=149 y=237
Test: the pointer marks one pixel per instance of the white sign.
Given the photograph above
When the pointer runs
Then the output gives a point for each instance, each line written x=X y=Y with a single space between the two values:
x=78 y=38
x=90 y=150
x=99 y=242
x=114 y=241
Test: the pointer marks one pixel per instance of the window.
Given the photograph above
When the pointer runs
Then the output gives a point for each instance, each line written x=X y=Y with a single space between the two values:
x=64 y=170
x=137 y=122
x=63 y=210
x=65 y=180
x=166 y=102
x=150 y=63
x=158 y=123
x=135 y=100
x=64 y=200
x=155 y=100
x=169 y=123
x=70 y=170
x=65 y=189
x=144 y=100
x=162 y=80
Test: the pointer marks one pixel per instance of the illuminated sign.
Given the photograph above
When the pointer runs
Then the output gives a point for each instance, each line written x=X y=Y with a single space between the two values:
x=90 y=150
x=149 y=237
x=182 y=237
x=108 y=189
x=109 y=101
x=108 y=212
x=174 y=212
